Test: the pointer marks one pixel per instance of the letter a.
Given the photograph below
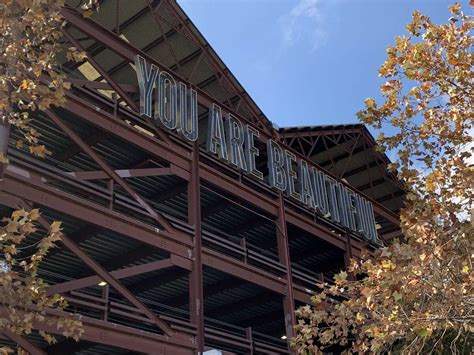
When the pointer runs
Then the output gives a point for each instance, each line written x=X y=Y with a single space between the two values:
x=215 y=133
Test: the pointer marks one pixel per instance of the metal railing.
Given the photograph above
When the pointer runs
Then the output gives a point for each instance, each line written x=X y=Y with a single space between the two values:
x=212 y=238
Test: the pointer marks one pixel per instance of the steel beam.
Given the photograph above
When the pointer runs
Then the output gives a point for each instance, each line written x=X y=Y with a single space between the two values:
x=348 y=254
x=73 y=149
x=116 y=335
x=315 y=133
x=284 y=257
x=130 y=173
x=130 y=102
x=106 y=276
x=101 y=216
x=100 y=85
x=99 y=161
x=113 y=42
x=176 y=154
x=98 y=215
x=257 y=116
x=23 y=343
x=196 y=299
x=128 y=52
x=118 y=274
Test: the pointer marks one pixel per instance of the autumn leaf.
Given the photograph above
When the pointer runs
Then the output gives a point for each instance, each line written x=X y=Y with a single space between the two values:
x=39 y=150
x=370 y=102
x=31 y=43
x=55 y=227
x=415 y=295
x=3 y=158
x=340 y=278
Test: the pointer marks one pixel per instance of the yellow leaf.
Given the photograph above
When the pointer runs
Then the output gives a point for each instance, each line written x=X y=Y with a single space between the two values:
x=24 y=84
x=369 y=102
x=55 y=227
x=88 y=13
x=3 y=158
x=39 y=150
x=388 y=264
x=340 y=278
x=34 y=214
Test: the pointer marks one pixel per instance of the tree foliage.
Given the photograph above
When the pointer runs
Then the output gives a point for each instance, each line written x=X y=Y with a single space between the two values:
x=30 y=81
x=23 y=294
x=30 y=44
x=415 y=295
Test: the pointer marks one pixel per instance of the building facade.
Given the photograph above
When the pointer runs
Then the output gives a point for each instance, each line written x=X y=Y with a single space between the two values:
x=190 y=221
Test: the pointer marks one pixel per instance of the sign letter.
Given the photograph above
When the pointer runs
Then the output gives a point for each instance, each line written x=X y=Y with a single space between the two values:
x=236 y=138
x=276 y=163
x=305 y=185
x=290 y=160
x=215 y=133
x=187 y=113
x=167 y=100
x=251 y=152
x=146 y=80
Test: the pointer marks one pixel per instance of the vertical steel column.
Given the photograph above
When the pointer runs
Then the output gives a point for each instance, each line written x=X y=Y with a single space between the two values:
x=284 y=256
x=196 y=300
x=348 y=253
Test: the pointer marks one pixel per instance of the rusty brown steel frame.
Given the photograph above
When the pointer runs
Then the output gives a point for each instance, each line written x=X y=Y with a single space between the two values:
x=185 y=247
x=128 y=52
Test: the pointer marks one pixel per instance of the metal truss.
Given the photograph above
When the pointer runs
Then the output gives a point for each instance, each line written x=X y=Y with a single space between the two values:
x=116 y=205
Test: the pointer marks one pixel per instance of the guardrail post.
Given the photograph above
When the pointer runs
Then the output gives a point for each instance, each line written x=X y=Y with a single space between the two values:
x=105 y=296
x=248 y=334
x=110 y=187
x=243 y=244
x=284 y=256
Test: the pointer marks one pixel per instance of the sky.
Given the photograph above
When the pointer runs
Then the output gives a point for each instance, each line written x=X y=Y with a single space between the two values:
x=308 y=62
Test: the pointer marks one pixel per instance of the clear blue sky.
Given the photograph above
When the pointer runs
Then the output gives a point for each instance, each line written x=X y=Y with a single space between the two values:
x=307 y=62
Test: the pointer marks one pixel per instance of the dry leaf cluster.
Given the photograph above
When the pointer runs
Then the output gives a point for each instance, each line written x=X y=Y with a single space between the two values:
x=415 y=295
x=31 y=80
x=23 y=295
